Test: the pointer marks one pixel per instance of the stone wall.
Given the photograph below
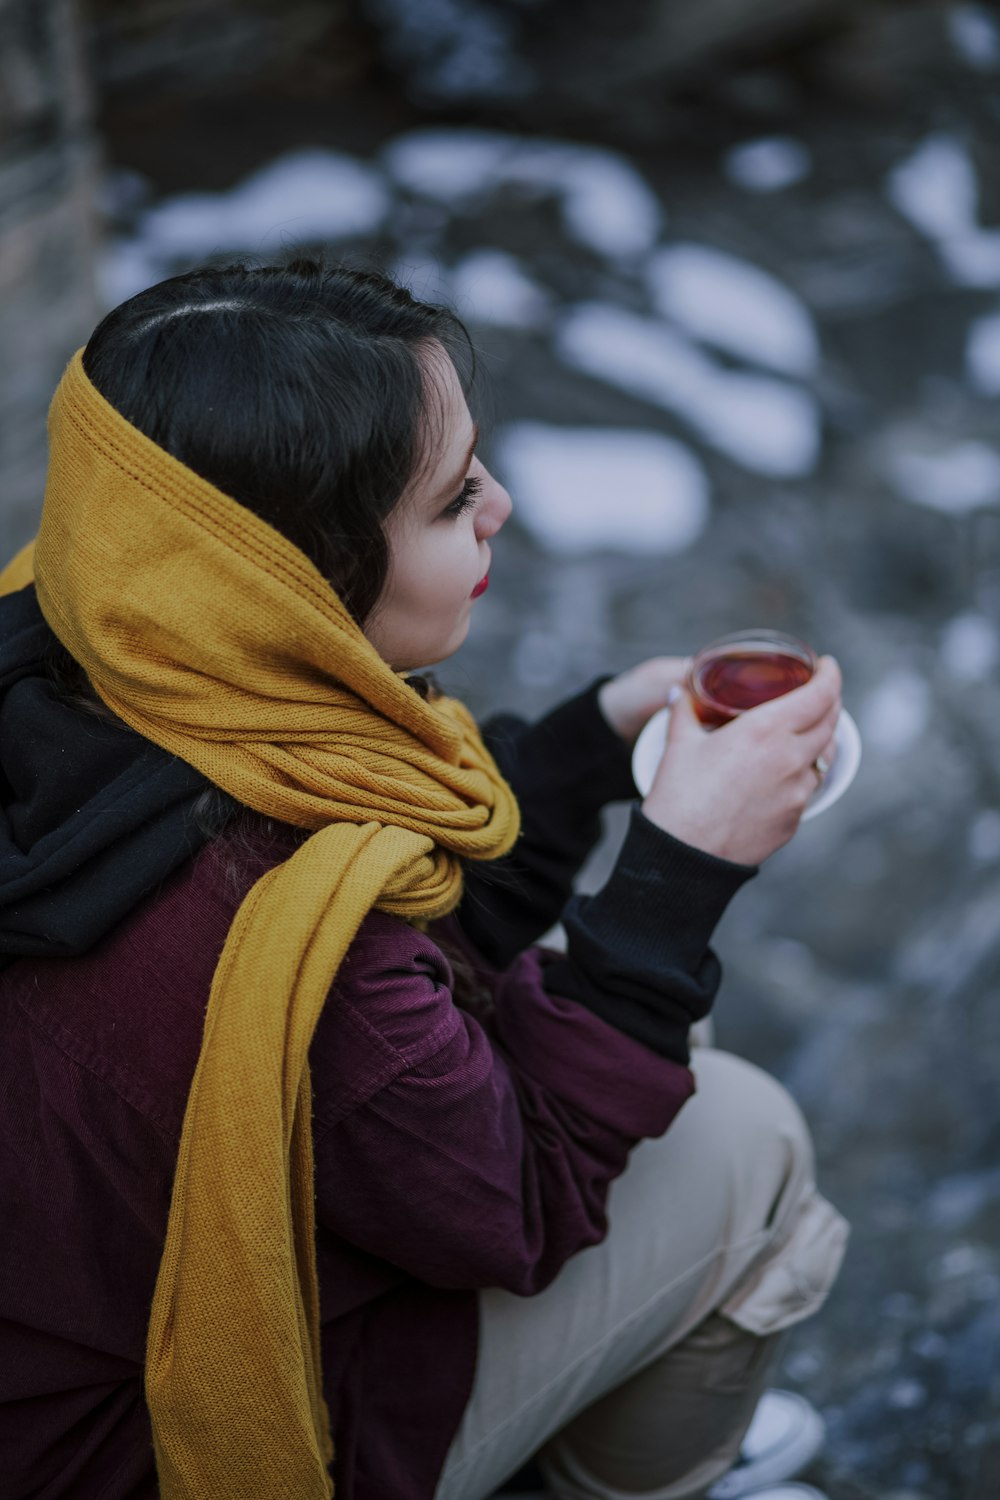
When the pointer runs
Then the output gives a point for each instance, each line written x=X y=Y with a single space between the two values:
x=47 y=194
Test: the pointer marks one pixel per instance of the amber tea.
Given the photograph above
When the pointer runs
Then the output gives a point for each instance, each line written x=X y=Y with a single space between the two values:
x=741 y=670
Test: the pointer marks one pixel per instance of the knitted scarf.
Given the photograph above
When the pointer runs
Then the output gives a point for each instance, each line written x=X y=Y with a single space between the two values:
x=214 y=637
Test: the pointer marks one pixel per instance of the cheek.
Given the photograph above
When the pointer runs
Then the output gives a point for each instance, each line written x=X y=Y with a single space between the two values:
x=450 y=556
x=438 y=573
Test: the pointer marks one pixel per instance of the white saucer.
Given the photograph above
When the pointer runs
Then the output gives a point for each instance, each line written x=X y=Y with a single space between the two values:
x=649 y=749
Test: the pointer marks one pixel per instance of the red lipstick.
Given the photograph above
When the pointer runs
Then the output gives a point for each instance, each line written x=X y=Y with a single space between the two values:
x=481 y=586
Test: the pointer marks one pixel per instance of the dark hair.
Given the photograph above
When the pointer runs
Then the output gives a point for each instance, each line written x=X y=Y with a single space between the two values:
x=301 y=391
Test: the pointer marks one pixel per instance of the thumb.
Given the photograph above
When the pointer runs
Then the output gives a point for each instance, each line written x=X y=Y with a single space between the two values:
x=684 y=722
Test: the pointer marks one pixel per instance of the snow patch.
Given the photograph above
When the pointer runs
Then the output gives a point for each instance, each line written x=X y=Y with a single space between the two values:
x=605 y=203
x=766 y=425
x=448 y=165
x=955 y=481
x=895 y=715
x=306 y=195
x=579 y=490
x=975 y=36
x=735 y=306
x=936 y=190
x=490 y=286
x=767 y=165
x=974 y=259
x=970 y=647
x=982 y=354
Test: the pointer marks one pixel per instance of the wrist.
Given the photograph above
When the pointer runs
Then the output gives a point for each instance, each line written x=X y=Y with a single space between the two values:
x=699 y=836
x=609 y=702
x=703 y=834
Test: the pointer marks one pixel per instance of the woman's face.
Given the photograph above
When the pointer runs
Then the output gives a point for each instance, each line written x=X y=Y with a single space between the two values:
x=439 y=534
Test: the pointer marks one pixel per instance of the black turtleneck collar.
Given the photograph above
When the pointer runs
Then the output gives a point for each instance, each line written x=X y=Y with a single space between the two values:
x=93 y=815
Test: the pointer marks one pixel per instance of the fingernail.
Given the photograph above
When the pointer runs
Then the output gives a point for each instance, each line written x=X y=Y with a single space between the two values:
x=673 y=695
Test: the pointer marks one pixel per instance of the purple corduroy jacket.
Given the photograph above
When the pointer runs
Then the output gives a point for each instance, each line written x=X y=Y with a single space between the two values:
x=456 y=1149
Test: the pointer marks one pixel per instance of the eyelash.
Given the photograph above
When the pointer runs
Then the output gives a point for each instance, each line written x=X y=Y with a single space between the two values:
x=466 y=498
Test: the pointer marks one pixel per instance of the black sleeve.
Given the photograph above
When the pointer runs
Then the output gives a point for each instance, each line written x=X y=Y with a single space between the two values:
x=638 y=953
x=563 y=770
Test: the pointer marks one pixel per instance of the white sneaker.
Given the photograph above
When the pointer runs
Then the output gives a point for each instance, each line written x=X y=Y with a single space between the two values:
x=783 y=1438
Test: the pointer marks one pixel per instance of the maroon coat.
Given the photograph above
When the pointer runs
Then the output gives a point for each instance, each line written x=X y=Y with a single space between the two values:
x=455 y=1149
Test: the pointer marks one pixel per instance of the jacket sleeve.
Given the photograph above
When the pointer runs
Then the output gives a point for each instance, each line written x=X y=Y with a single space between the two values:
x=470 y=1157
x=637 y=952
x=563 y=769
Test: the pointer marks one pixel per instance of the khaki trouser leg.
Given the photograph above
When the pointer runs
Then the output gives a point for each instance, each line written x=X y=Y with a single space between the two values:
x=636 y=1372
x=672 y=1429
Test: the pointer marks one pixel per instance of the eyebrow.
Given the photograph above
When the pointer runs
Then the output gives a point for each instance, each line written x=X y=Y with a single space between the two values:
x=453 y=484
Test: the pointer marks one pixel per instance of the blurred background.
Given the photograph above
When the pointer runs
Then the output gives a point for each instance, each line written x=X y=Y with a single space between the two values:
x=733 y=269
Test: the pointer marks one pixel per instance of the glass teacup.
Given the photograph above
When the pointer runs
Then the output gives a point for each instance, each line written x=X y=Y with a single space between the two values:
x=738 y=671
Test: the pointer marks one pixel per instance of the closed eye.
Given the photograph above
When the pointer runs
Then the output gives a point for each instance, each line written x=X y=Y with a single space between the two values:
x=466 y=498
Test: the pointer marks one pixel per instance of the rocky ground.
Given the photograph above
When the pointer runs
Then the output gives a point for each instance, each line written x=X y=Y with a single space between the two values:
x=837 y=475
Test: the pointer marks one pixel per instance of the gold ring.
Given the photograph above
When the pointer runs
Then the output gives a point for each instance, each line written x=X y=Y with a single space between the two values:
x=822 y=768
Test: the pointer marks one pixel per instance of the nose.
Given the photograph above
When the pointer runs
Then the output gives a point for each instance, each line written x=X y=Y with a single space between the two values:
x=494 y=508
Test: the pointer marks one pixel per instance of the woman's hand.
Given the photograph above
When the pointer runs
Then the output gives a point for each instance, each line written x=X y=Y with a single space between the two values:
x=739 y=791
x=630 y=700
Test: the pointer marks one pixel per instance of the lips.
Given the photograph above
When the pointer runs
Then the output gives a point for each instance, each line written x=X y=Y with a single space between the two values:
x=481 y=586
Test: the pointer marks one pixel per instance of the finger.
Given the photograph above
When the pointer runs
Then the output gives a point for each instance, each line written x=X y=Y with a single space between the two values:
x=684 y=722
x=815 y=737
x=666 y=670
x=805 y=706
x=822 y=763
x=828 y=754
x=816 y=741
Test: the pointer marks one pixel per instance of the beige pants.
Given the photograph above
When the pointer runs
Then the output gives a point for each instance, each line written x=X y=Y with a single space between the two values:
x=637 y=1371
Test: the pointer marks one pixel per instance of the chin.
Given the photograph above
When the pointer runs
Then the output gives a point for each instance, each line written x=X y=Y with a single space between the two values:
x=425 y=650
x=444 y=649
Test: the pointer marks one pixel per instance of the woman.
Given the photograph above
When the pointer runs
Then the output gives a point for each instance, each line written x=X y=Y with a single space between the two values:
x=295 y=1117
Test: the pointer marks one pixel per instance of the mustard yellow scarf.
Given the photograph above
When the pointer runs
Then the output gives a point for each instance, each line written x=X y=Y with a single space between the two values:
x=214 y=637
